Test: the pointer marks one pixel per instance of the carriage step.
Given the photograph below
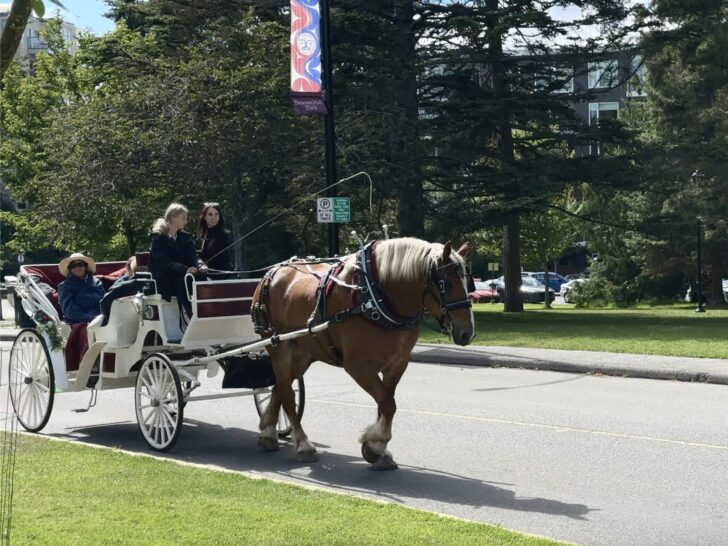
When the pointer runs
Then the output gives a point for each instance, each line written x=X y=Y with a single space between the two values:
x=91 y=403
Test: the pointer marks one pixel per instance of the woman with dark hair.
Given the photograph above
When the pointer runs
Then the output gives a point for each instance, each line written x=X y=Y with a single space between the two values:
x=215 y=239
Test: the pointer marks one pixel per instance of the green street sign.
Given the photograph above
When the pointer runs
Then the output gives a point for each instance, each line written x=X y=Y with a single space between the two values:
x=342 y=210
x=333 y=209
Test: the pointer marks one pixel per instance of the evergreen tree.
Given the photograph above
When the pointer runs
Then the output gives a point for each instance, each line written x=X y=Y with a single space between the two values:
x=689 y=100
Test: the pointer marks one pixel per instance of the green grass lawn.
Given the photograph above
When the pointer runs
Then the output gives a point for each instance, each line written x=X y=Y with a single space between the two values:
x=665 y=330
x=74 y=494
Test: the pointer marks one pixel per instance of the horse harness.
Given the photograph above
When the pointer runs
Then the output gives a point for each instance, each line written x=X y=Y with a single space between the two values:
x=368 y=299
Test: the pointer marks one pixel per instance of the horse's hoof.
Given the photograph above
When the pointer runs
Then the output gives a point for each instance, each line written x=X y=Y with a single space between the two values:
x=266 y=443
x=307 y=456
x=385 y=462
x=369 y=454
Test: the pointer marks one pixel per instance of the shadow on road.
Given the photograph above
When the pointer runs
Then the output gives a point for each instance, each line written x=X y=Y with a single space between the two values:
x=236 y=449
x=564 y=380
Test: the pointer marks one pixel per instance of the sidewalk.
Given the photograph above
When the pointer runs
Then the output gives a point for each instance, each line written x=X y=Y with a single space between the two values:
x=706 y=370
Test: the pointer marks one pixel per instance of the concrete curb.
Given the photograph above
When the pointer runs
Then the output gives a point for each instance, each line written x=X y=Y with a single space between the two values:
x=451 y=355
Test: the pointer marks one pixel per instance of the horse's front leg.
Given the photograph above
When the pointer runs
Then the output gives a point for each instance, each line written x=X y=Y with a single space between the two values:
x=376 y=437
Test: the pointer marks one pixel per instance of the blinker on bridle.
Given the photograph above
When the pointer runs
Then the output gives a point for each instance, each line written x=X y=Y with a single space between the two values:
x=444 y=285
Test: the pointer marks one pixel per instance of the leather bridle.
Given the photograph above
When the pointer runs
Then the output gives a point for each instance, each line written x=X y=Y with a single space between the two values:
x=438 y=287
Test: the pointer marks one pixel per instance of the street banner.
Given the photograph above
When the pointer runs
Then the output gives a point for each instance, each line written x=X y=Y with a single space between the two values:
x=306 y=90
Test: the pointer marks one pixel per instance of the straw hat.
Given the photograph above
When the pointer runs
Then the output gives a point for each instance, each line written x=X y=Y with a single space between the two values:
x=76 y=257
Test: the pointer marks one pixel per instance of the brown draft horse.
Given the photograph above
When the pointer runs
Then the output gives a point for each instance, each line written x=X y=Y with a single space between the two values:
x=411 y=277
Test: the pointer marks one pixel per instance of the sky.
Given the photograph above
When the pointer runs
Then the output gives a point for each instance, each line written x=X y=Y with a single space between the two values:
x=85 y=14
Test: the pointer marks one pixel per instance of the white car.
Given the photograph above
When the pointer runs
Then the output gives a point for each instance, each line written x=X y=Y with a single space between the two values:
x=567 y=289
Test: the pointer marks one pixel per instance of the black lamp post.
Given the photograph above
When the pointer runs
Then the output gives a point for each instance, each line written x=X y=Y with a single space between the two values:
x=700 y=308
x=696 y=177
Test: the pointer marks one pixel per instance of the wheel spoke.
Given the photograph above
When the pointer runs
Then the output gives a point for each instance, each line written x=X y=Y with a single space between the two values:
x=147 y=385
x=33 y=407
x=168 y=418
x=41 y=403
x=27 y=365
x=157 y=428
x=149 y=416
x=20 y=401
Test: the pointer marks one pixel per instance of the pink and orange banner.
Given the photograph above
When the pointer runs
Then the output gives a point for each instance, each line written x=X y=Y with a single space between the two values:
x=306 y=89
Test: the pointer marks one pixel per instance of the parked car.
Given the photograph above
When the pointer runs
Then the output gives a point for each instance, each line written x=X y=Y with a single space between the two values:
x=483 y=293
x=555 y=280
x=568 y=287
x=531 y=290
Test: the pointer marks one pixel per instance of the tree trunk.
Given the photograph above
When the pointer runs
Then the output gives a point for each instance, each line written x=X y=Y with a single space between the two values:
x=130 y=238
x=13 y=33
x=716 y=298
x=511 y=266
x=511 y=231
x=547 y=293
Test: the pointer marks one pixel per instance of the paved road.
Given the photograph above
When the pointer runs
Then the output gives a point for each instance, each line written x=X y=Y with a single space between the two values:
x=593 y=460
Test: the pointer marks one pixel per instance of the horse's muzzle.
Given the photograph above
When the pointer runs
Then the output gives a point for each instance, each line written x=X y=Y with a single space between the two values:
x=463 y=338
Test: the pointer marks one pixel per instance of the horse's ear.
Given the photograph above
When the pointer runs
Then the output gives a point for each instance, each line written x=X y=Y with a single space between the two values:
x=463 y=250
x=446 y=252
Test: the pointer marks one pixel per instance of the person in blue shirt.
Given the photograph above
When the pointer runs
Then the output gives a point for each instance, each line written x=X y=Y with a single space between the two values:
x=81 y=292
x=79 y=296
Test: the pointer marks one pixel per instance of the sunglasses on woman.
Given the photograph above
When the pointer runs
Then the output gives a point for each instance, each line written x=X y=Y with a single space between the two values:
x=74 y=265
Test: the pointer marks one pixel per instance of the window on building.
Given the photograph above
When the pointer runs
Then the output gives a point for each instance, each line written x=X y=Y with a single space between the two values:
x=637 y=77
x=558 y=79
x=600 y=111
x=35 y=41
x=603 y=74
x=68 y=35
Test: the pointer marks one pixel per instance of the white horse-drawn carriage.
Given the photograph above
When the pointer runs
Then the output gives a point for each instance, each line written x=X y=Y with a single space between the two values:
x=143 y=346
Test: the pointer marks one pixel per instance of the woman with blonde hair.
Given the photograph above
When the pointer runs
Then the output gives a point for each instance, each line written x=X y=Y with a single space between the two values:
x=173 y=255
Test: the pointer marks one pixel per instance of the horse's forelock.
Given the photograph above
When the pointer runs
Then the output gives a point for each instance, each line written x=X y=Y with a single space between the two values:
x=408 y=259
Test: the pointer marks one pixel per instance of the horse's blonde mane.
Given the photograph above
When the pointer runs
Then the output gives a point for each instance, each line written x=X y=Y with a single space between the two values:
x=408 y=259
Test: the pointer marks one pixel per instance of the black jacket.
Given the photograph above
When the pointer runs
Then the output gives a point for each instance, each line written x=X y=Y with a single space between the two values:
x=212 y=252
x=169 y=260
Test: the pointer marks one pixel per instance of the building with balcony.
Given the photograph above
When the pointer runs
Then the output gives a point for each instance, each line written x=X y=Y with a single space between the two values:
x=32 y=43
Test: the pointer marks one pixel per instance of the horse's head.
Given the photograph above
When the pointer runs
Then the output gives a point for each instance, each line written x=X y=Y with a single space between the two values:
x=447 y=295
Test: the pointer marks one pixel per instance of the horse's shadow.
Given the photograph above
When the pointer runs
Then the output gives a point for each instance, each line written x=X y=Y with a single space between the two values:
x=236 y=449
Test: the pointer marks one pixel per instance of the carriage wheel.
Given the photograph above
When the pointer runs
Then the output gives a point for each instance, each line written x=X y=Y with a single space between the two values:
x=284 y=425
x=159 y=402
x=31 y=381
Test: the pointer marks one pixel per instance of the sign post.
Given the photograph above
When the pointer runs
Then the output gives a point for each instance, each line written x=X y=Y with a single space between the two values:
x=312 y=94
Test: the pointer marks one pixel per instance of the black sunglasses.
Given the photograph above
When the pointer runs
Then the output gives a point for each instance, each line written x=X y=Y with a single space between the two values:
x=74 y=265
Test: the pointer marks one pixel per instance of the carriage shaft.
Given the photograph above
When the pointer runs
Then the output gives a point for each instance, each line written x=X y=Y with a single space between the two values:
x=254 y=346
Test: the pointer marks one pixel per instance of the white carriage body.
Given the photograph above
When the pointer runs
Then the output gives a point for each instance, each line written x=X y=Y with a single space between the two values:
x=139 y=325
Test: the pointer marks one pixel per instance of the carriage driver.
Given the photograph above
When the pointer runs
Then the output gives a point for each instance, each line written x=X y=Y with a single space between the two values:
x=79 y=297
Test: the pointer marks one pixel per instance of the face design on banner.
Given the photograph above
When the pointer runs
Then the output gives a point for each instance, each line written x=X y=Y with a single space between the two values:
x=306 y=43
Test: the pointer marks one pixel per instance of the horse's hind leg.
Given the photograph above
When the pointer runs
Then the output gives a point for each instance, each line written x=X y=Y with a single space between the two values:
x=268 y=439
x=287 y=365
